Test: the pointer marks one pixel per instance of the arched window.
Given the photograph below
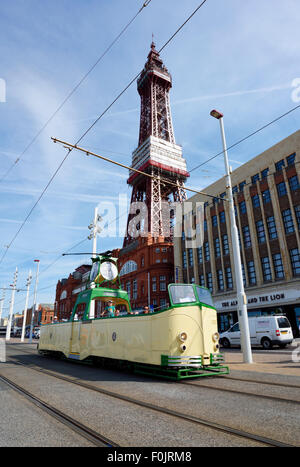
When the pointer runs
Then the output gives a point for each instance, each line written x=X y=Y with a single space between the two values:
x=128 y=267
x=63 y=295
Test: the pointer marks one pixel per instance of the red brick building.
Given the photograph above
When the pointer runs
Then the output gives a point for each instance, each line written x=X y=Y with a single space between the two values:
x=146 y=269
x=68 y=289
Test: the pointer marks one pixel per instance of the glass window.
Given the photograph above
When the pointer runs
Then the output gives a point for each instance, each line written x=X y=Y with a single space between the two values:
x=234 y=189
x=288 y=221
x=200 y=255
x=279 y=165
x=214 y=221
x=225 y=244
x=281 y=189
x=266 y=196
x=190 y=255
x=295 y=260
x=220 y=279
x=243 y=208
x=205 y=225
x=251 y=272
x=278 y=266
x=264 y=173
x=222 y=217
x=255 y=201
x=291 y=159
x=217 y=247
x=254 y=178
x=184 y=259
x=283 y=322
x=206 y=251
x=202 y=280
x=272 y=231
x=246 y=236
x=154 y=284
x=261 y=236
x=229 y=281
x=266 y=269
x=182 y=294
x=134 y=291
x=294 y=183
x=162 y=283
x=209 y=281
x=297 y=212
x=204 y=296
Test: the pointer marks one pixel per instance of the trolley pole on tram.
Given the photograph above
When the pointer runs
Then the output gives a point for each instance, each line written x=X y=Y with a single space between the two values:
x=241 y=296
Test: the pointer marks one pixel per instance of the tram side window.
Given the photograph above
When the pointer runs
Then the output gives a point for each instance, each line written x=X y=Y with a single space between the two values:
x=204 y=296
x=182 y=294
x=79 y=312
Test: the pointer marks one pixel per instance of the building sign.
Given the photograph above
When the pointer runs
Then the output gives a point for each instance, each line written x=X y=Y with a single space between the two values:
x=259 y=300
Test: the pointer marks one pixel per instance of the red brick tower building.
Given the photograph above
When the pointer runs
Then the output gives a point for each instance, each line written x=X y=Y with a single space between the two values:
x=146 y=260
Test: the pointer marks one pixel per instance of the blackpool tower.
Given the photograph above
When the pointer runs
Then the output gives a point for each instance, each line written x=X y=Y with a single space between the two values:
x=149 y=222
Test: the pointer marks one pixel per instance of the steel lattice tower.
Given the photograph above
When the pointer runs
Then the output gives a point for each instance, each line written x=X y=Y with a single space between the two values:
x=157 y=153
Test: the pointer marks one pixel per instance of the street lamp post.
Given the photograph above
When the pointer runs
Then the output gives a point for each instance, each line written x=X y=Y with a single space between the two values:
x=37 y=261
x=11 y=308
x=241 y=296
x=26 y=306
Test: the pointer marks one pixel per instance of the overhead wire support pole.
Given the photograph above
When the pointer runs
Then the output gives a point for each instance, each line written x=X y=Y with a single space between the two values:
x=26 y=306
x=11 y=308
x=34 y=299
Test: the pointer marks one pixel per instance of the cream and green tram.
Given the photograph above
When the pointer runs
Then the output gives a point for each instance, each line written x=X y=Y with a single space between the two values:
x=180 y=341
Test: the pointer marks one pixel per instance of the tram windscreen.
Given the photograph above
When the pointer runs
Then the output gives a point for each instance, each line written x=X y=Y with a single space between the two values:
x=182 y=294
x=204 y=296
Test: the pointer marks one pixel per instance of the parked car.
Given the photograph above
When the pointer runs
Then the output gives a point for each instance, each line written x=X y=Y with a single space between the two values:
x=264 y=330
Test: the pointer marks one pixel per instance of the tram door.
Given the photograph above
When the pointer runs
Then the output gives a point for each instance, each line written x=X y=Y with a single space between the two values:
x=74 y=351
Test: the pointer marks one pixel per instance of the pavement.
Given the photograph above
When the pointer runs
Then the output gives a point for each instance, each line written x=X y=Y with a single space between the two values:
x=275 y=361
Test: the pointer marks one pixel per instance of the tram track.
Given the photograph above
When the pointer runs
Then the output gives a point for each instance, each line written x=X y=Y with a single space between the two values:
x=244 y=393
x=96 y=438
x=246 y=380
x=164 y=410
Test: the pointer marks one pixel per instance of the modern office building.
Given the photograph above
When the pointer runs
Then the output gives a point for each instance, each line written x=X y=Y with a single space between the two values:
x=267 y=206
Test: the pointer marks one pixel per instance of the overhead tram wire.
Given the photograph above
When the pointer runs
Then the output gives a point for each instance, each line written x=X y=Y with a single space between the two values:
x=246 y=137
x=146 y=3
x=138 y=74
x=103 y=113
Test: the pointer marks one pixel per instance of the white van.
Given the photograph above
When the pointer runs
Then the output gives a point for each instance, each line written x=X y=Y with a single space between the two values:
x=264 y=330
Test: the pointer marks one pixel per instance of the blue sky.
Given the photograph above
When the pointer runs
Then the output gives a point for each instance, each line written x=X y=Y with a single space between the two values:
x=239 y=57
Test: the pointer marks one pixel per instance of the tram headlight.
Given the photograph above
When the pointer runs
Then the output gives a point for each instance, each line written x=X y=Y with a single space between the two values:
x=182 y=336
x=182 y=347
x=215 y=336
